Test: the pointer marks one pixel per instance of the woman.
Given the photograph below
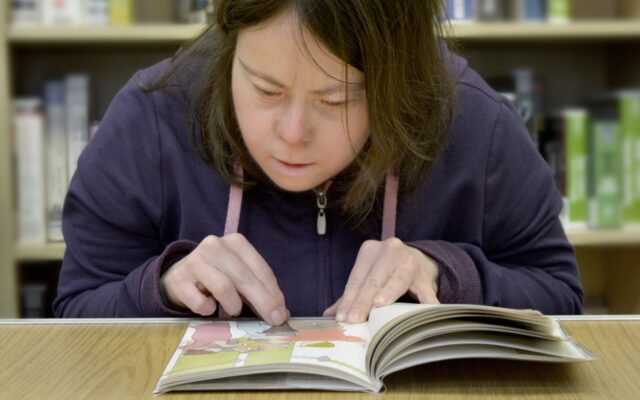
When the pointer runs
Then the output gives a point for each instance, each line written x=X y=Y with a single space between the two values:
x=308 y=158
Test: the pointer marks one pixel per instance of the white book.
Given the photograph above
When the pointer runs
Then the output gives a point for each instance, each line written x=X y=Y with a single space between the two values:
x=97 y=12
x=56 y=156
x=25 y=12
x=29 y=140
x=77 y=109
x=62 y=12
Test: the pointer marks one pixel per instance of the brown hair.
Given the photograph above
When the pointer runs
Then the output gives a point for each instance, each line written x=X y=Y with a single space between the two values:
x=396 y=44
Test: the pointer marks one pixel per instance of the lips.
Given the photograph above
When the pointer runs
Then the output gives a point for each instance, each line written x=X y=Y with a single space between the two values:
x=292 y=168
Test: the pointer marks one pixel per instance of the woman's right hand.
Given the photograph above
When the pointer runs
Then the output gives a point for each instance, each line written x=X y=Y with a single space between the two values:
x=224 y=271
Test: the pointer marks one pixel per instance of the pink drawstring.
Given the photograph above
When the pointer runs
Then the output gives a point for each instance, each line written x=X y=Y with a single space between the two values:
x=390 y=207
x=388 y=213
x=235 y=203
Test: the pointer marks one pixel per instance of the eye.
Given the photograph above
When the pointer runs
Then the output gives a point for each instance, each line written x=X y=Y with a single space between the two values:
x=265 y=92
x=334 y=103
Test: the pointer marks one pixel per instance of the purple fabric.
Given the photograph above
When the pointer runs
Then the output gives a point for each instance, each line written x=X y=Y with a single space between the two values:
x=141 y=199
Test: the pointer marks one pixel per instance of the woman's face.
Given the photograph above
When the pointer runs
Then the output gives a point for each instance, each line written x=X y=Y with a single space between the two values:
x=292 y=111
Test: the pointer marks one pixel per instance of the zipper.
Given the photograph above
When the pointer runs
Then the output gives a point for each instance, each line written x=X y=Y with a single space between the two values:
x=321 y=223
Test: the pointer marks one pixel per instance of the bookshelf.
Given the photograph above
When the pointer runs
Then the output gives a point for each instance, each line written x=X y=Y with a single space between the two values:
x=585 y=57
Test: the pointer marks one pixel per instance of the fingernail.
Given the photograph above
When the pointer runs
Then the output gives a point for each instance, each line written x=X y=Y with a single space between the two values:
x=353 y=316
x=340 y=316
x=380 y=301
x=277 y=317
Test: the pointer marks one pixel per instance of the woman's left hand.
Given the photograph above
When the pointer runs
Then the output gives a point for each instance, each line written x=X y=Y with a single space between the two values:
x=383 y=272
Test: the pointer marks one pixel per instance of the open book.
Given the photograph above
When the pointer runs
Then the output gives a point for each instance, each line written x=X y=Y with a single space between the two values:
x=322 y=354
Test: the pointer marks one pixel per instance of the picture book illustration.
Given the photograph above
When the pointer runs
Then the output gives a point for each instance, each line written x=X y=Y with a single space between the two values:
x=219 y=345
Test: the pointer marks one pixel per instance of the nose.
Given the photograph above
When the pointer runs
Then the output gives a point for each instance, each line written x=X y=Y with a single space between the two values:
x=294 y=124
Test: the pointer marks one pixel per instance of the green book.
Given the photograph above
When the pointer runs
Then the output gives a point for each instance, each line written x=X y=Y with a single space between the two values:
x=558 y=10
x=605 y=200
x=576 y=124
x=629 y=106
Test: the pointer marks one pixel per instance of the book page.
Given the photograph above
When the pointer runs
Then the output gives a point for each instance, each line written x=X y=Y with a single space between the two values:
x=215 y=349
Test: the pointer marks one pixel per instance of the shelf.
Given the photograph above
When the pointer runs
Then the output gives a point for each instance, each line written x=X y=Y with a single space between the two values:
x=574 y=31
x=134 y=34
x=49 y=252
x=587 y=237
x=176 y=33
x=45 y=252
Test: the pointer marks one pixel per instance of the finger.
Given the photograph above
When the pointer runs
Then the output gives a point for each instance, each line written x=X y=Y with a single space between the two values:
x=250 y=256
x=331 y=311
x=364 y=261
x=373 y=284
x=397 y=285
x=195 y=300
x=244 y=281
x=424 y=294
x=220 y=287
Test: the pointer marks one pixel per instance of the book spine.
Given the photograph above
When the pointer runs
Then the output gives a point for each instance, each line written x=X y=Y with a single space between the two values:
x=559 y=11
x=29 y=138
x=56 y=160
x=182 y=11
x=629 y=104
x=460 y=10
x=605 y=203
x=62 y=12
x=489 y=10
x=97 y=12
x=77 y=107
x=33 y=296
x=528 y=10
x=576 y=124
x=25 y=12
x=529 y=99
x=121 y=12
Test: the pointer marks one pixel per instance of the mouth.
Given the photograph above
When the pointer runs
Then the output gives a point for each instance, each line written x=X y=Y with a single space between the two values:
x=292 y=168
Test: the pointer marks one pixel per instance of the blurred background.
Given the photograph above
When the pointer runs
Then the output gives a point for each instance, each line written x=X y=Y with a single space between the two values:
x=571 y=68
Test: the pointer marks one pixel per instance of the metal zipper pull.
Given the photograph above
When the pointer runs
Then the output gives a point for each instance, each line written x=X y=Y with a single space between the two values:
x=321 y=224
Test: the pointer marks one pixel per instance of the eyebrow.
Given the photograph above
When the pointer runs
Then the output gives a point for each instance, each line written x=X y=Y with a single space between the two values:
x=338 y=87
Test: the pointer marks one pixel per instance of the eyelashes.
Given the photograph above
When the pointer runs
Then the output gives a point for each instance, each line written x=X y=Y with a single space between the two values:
x=272 y=95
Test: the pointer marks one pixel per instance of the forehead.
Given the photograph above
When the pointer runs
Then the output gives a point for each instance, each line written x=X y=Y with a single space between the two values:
x=283 y=46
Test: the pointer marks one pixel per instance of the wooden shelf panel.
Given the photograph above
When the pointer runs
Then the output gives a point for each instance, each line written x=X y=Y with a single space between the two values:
x=45 y=252
x=172 y=33
x=135 y=34
x=576 y=237
x=574 y=31
x=591 y=237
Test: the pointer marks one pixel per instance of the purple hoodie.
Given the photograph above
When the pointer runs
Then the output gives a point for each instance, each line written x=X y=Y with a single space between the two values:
x=141 y=199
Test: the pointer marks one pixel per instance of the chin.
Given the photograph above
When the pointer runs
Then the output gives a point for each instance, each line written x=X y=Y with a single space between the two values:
x=290 y=185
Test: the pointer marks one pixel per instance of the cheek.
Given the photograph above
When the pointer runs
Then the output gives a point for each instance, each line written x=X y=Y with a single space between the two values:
x=248 y=119
x=359 y=128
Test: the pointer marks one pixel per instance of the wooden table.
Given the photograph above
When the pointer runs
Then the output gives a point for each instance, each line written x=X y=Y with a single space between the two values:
x=123 y=360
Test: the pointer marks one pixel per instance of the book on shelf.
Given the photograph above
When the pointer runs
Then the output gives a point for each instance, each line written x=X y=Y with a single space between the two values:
x=558 y=11
x=490 y=10
x=629 y=115
x=56 y=156
x=121 y=12
x=528 y=10
x=460 y=10
x=28 y=127
x=576 y=125
x=526 y=89
x=62 y=12
x=25 y=12
x=322 y=354
x=77 y=110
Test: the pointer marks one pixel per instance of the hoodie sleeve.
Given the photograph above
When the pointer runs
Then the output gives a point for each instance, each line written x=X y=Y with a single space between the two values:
x=112 y=217
x=523 y=258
